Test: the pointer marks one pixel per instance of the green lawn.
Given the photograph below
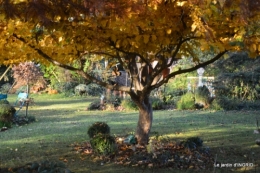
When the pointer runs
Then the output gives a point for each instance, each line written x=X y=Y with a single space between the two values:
x=63 y=121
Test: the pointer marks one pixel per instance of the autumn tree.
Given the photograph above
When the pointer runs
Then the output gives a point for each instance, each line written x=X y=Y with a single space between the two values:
x=27 y=73
x=145 y=37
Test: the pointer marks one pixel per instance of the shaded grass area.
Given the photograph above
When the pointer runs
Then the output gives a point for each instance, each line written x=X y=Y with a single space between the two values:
x=63 y=121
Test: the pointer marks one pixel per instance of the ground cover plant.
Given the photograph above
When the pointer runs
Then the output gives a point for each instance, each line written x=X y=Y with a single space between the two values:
x=62 y=124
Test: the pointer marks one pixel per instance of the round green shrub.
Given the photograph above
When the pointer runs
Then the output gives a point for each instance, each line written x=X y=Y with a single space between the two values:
x=103 y=144
x=186 y=101
x=98 y=128
x=6 y=113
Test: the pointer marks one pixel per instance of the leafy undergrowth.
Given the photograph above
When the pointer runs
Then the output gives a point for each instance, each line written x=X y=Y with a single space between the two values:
x=157 y=154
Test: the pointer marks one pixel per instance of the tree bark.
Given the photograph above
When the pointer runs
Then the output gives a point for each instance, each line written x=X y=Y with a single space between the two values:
x=144 y=124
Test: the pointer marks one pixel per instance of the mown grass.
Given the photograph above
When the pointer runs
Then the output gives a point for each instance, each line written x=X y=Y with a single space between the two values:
x=62 y=121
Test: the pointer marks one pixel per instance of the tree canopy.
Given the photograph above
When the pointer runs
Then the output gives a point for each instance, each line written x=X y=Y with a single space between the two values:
x=145 y=36
x=67 y=30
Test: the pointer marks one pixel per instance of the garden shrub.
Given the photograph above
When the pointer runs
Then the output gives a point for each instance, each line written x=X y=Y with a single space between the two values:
x=202 y=96
x=128 y=104
x=103 y=144
x=215 y=105
x=94 y=89
x=113 y=100
x=186 y=101
x=81 y=89
x=237 y=85
x=6 y=113
x=4 y=102
x=5 y=124
x=157 y=103
x=229 y=104
x=94 y=105
x=68 y=88
x=5 y=88
x=98 y=128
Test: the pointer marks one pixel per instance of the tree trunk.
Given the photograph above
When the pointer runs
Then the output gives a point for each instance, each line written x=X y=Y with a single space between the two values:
x=145 y=121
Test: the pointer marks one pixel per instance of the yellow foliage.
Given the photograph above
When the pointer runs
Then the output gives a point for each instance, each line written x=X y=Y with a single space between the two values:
x=126 y=26
x=146 y=38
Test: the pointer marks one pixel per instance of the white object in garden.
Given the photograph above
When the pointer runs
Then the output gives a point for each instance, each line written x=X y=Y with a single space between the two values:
x=200 y=73
x=102 y=99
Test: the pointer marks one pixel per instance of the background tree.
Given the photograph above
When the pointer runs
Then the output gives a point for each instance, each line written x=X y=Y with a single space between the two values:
x=27 y=73
x=145 y=37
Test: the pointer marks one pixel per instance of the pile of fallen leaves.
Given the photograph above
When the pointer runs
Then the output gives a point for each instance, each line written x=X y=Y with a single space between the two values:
x=157 y=154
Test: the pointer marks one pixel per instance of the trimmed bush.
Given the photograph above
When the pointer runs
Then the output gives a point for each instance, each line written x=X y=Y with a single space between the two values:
x=186 y=101
x=98 y=128
x=103 y=144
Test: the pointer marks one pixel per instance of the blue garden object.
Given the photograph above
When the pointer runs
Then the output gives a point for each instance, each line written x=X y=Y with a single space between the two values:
x=130 y=140
x=3 y=96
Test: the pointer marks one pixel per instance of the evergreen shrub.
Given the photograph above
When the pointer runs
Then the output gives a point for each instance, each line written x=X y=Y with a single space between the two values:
x=202 y=96
x=103 y=144
x=6 y=113
x=98 y=128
